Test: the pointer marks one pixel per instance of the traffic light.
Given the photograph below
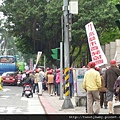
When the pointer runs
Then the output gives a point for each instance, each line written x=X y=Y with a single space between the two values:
x=56 y=53
x=118 y=21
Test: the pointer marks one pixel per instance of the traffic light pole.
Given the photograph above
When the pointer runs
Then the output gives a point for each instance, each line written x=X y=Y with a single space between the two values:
x=67 y=102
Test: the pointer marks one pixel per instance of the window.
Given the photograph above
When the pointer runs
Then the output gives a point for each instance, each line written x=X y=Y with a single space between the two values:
x=7 y=60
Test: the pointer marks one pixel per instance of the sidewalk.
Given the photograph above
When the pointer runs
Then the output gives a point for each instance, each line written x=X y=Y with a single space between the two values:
x=53 y=105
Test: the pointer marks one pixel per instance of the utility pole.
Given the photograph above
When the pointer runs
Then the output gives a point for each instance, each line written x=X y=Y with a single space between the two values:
x=61 y=71
x=67 y=102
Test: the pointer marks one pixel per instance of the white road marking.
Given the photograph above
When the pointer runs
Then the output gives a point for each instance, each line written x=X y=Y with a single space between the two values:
x=5 y=89
x=4 y=97
x=18 y=110
x=10 y=109
x=2 y=109
x=24 y=98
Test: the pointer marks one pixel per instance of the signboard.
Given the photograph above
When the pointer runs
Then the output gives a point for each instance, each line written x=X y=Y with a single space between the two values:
x=73 y=7
x=97 y=54
x=79 y=73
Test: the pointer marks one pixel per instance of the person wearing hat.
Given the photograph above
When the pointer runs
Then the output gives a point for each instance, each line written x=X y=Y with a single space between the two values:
x=35 y=87
x=92 y=84
x=111 y=76
x=50 y=82
x=41 y=77
x=103 y=100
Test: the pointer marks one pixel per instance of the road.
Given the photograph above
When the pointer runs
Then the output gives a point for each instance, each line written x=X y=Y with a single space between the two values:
x=11 y=102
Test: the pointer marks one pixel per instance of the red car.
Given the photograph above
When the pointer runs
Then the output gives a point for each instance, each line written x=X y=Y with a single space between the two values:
x=9 y=78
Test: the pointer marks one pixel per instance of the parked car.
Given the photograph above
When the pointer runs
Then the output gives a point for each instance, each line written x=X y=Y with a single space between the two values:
x=9 y=78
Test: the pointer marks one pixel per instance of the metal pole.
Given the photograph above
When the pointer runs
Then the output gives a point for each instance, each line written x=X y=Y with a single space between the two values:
x=66 y=33
x=62 y=25
x=67 y=102
x=61 y=71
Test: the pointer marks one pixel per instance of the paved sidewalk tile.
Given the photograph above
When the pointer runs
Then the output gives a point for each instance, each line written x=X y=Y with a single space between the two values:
x=53 y=105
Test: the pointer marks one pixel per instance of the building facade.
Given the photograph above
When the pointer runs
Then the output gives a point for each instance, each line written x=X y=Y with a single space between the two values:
x=110 y=51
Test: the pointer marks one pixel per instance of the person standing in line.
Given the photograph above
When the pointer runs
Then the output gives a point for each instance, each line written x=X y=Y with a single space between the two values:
x=103 y=98
x=45 y=74
x=111 y=76
x=88 y=67
x=40 y=81
x=92 y=84
x=50 y=83
x=58 y=82
x=71 y=83
x=36 y=82
x=32 y=76
x=47 y=70
x=19 y=76
x=55 y=85
x=117 y=90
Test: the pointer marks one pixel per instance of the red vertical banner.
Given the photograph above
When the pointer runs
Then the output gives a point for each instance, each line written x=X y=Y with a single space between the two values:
x=96 y=51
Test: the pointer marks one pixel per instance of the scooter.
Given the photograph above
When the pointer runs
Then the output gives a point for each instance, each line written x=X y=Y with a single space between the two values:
x=28 y=90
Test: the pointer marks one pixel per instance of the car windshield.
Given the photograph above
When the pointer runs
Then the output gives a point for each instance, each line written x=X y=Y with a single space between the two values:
x=7 y=74
x=6 y=60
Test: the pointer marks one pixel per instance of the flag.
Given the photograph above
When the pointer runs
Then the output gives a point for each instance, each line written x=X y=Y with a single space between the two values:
x=38 y=57
x=96 y=51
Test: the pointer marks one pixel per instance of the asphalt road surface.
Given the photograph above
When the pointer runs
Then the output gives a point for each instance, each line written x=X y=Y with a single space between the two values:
x=11 y=102
x=15 y=107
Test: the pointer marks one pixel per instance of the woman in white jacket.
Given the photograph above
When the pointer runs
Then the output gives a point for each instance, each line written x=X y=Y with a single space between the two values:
x=40 y=81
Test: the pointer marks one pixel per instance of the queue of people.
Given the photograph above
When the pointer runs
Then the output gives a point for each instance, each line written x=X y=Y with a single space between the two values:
x=101 y=87
x=49 y=80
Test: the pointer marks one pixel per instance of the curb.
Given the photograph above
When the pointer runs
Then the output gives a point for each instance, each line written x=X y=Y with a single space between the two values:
x=42 y=104
x=46 y=105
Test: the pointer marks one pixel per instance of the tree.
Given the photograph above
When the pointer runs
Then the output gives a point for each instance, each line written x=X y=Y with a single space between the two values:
x=101 y=13
x=37 y=25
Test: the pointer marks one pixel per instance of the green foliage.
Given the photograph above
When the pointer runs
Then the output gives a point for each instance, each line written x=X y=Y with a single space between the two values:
x=36 y=25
